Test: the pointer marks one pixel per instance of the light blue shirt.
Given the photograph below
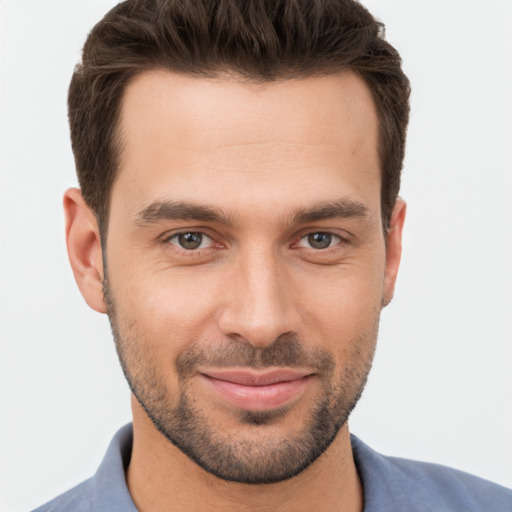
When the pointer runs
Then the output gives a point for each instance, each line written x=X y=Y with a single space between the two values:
x=390 y=485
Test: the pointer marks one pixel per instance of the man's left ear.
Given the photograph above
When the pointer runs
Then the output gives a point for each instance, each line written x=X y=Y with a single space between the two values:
x=393 y=249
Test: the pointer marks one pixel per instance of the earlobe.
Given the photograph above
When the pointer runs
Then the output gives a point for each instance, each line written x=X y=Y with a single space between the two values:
x=84 y=248
x=393 y=249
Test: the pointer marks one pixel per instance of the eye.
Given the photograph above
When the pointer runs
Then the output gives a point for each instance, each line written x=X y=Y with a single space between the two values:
x=190 y=240
x=319 y=240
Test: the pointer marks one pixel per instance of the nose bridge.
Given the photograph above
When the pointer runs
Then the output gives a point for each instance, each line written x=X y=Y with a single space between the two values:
x=259 y=307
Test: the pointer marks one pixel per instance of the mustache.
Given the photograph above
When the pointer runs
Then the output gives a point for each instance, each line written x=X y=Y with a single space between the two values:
x=284 y=351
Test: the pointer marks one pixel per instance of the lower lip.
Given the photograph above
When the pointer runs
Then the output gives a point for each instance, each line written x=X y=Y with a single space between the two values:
x=259 y=398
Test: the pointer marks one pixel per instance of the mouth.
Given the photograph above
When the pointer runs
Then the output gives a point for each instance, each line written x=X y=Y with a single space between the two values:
x=257 y=390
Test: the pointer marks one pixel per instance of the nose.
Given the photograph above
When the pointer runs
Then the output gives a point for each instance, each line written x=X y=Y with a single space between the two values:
x=259 y=300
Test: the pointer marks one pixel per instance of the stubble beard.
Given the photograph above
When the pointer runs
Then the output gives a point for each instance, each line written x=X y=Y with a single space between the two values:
x=257 y=458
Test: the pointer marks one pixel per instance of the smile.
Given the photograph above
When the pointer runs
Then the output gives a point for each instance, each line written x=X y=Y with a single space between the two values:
x=258 y=391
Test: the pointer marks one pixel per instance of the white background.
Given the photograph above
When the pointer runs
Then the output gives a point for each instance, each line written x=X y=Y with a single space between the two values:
x=441 y=385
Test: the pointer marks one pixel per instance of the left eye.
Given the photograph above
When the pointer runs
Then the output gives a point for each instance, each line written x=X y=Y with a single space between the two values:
x=319 y=240
x=190 y=240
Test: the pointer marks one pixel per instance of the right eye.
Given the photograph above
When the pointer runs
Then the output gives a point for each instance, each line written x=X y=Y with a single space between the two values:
x=190 y=240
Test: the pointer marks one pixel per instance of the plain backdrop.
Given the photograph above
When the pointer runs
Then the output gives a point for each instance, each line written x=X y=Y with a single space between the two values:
x=441 y=387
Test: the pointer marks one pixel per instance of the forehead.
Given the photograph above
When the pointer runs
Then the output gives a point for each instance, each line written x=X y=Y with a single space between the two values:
x=220 y=138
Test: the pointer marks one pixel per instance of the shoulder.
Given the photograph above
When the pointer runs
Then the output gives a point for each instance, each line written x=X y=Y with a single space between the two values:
x=449 y=488
x=77 y=499
x=419 y=486
x=106 y=490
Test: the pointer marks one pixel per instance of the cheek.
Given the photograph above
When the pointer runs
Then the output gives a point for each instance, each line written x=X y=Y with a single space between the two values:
x=167 y=309
x=342 y=309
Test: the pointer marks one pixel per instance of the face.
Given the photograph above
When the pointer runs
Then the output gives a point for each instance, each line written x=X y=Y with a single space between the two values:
x=245 y=264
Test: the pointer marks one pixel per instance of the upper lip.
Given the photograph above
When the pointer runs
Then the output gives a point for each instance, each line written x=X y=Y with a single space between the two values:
x=246 y=377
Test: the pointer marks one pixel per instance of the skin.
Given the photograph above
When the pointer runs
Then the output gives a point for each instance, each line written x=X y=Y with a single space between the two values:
x=260 y=154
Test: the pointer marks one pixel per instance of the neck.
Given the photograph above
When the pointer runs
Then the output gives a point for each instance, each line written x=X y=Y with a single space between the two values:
x=160 y=475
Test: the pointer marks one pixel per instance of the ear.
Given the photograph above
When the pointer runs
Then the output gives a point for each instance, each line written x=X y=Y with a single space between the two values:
x=84 y=248
x=393 y=249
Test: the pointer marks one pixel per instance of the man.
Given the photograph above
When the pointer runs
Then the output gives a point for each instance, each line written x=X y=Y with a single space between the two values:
x=239 y=222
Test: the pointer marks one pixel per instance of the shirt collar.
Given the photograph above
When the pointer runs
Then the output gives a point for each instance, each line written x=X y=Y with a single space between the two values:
x=110 y=491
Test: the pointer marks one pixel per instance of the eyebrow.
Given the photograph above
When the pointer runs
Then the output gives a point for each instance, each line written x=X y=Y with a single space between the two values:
x=178 y=210
x=344 y=208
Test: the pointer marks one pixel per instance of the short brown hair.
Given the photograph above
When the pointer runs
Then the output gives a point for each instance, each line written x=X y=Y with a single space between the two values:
x=258 y=40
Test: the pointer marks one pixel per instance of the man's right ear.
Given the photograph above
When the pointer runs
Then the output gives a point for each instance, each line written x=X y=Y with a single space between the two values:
x=84 y=248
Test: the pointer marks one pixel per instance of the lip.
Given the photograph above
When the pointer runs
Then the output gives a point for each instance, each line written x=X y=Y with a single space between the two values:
x=255 y=390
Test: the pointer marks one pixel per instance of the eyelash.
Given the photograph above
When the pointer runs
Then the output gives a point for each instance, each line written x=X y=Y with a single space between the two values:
x=200 y=251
